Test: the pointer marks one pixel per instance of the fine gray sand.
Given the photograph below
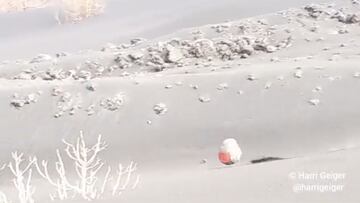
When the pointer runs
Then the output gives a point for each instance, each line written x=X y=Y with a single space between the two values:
x=282 y=80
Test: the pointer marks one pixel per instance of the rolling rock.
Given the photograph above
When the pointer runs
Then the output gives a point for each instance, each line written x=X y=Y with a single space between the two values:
x=230 y=152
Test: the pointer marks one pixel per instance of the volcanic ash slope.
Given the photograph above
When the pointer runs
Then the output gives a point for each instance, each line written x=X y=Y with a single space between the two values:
x=283 y=85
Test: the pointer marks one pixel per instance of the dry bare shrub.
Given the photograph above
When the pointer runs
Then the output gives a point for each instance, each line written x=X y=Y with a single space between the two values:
x=89 y=182
x=3 y=198
x=74 y=11
x=22 y=172
x=69 y=11
x=21 y=5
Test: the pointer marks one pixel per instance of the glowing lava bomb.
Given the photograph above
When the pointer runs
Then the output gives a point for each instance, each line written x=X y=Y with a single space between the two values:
x=230 y=152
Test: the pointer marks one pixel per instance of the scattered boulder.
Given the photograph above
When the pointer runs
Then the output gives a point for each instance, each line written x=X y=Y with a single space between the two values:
x=222 y=86
x=251 y=77
x=195 y=87
x=90 y=110
x=268 y=85
x=110 y=47
x=298 y=74
x=83 y=75
x=56 y=91
x=356 y=75
x=240 y=92
x=17 y=103
x=20 y=101
x=317 y=89
x=172 y=54
x=204 y=99
x=41 y=58
x=122 y=62
x=52 y=74
x=23 y=76
x=114 y=103
x=318 y=10
x=91 y=87
x=136 y=56
x=314 y=102
x=350 y=18
x=160 y=108
x=203 y=161
x=201 y=48
x=61 y=54
x=179 y=83
x=67 y=103
x=221 y=27
x=275 y=59
x=270 y=49
x=137 y=41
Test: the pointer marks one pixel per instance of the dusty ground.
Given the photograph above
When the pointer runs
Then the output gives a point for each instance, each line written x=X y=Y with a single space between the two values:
x=293 y=94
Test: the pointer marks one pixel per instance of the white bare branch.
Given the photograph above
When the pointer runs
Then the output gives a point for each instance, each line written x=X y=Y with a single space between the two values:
x=121 y=185
x=3 y=198
x=87 y=166
x=22 y=177
x=2 y=167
